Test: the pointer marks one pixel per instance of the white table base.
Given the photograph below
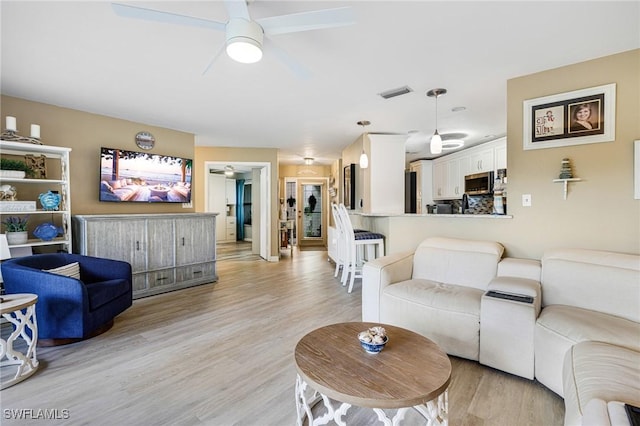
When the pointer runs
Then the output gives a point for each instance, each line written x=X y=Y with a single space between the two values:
x=434 y=412
x=27 y=363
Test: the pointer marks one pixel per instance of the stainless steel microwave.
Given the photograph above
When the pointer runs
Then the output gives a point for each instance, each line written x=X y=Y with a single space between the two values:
x=479 y=183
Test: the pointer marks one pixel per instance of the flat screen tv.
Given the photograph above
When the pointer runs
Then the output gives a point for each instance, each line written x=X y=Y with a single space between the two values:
x=143 y=177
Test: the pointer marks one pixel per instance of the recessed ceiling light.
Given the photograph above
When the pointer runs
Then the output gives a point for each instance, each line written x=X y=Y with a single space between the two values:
x=458 y=109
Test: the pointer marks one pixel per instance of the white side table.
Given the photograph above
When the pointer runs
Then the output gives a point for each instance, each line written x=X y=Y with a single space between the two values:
x=24 y=361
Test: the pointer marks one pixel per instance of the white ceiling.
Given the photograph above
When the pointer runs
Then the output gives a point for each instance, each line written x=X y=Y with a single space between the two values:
x=81 y=55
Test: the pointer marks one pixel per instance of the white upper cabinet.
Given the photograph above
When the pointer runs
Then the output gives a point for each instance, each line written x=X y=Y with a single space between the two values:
x=231 y=191
x=449 y=171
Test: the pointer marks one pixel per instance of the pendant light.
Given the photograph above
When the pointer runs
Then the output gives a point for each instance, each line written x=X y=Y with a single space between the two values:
x=436 y=141
x=364 y=160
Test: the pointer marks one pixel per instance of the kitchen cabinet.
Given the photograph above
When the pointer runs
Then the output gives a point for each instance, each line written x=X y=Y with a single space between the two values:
x=447 y=179
x=481 y=161
x=166 y=251
x=231 y=228
x=55 y=162
x=500 y=153
x=449 y=171
x=230 y=190
x=424 y=183
x=222 y=199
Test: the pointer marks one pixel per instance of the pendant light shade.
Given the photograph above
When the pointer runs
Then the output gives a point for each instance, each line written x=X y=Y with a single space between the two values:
x=364 y=160
x=436 y=141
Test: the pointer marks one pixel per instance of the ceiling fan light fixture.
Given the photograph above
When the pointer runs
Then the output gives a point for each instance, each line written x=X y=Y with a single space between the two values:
x=229 y=170
x=244 y=41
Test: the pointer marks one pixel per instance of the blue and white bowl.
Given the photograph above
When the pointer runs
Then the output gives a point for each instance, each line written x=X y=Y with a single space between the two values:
x=374 y=348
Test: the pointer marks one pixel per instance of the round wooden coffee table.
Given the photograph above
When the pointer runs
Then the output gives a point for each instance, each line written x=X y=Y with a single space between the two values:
x=411 y=373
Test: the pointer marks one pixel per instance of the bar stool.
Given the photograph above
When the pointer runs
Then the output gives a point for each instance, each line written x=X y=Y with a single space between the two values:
x=354 y=241
x=341 y=240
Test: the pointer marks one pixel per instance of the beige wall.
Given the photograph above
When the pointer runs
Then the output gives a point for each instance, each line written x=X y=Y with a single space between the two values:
x=600 y=212
x=85 y=134
x=205 y=154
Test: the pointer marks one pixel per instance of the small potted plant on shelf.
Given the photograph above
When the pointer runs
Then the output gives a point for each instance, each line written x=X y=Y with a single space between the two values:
x=15 y=169
x=16 y=229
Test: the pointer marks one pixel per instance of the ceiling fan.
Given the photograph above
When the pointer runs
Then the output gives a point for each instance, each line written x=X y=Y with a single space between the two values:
x=244 y=36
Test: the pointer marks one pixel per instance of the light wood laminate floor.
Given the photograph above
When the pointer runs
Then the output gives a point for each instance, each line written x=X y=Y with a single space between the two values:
x=222 y=354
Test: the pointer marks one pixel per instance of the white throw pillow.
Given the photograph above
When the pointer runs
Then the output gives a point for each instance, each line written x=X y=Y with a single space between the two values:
x=71 y=270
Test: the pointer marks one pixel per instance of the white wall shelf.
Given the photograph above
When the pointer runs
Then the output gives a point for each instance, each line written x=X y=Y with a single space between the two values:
x=566 y=184
x=58 y=165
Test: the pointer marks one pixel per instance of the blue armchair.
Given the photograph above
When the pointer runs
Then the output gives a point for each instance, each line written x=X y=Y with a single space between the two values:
x=71 y=309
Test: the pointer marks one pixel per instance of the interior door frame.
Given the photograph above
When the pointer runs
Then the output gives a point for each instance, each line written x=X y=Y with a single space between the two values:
x=264 y=242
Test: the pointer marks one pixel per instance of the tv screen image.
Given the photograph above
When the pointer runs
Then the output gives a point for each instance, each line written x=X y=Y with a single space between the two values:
x=132 y=176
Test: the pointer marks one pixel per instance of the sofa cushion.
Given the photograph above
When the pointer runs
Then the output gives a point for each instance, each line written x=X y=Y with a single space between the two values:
x=578 y=325
x=459 y=262
x=101 y=293
x=437 y=295
x=596 y=370
x=590 y=279
x=447 y=314
x=71 y=270
x=559 y=327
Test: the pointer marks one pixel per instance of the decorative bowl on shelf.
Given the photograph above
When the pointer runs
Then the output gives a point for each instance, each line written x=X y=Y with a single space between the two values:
x=373 y=340
x=49 y=200
x=47 y=231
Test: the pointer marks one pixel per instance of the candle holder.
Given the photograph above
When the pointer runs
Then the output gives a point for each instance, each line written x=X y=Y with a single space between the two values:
x=13 y=136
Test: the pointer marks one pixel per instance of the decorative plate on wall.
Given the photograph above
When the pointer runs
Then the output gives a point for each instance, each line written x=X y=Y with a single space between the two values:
x=145 y=140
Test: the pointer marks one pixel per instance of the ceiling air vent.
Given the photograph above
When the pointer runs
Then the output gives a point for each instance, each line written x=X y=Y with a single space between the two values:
x=396 y=92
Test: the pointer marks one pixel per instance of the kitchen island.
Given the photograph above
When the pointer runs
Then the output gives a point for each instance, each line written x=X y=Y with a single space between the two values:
x=405 y=231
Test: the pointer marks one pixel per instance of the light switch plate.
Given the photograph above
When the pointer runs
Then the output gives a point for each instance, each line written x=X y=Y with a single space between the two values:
x=526 y=200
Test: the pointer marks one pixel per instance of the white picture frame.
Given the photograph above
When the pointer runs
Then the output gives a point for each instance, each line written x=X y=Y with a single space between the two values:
x=549 y=121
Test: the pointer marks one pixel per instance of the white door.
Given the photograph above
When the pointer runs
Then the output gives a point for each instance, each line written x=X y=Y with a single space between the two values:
x=312 y=213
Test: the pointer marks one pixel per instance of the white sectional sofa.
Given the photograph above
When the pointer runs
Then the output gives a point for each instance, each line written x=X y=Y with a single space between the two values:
x=571 y=320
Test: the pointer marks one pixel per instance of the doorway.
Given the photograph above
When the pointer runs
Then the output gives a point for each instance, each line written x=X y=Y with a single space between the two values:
x=260 y=176
x=312 y=213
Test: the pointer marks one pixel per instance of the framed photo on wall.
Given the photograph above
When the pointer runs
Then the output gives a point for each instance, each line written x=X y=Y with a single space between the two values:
x=350 y=186
x=573 y=118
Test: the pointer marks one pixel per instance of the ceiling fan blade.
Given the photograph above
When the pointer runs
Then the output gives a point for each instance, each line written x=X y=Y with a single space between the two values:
x=165 y=17
x=294 y=66
x=306 y=21
x=237 y=9
x=214 y=59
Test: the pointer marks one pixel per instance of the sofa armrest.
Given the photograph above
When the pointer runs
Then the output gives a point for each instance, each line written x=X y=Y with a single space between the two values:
x=521 y=288
x=380 y=273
